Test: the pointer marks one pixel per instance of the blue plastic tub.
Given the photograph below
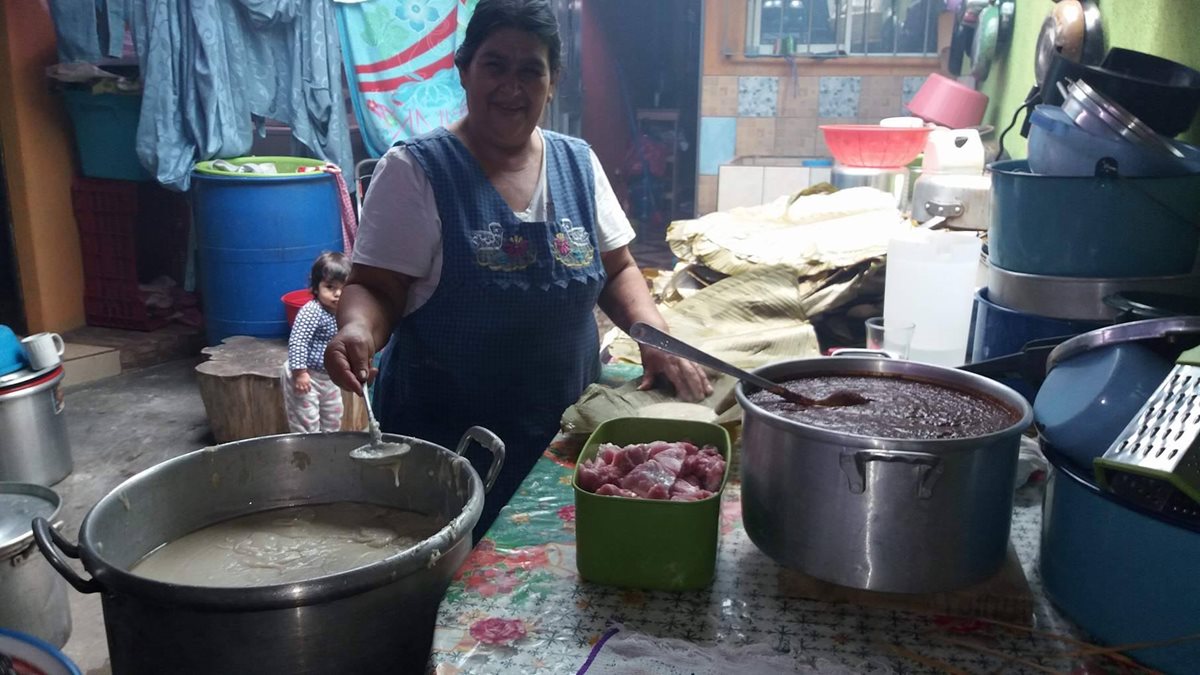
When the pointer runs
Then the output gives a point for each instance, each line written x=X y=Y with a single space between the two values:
x=257 y=237
x=1059 y=147
x=1102 y=227
x=1122 y=574
x=106 y=133
x=34 y=652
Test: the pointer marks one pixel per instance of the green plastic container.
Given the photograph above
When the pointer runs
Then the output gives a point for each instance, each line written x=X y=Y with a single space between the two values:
x=285 y=166
x=648 y=543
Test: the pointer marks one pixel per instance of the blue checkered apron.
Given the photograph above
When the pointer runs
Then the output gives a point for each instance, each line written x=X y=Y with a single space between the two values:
x=508 y=339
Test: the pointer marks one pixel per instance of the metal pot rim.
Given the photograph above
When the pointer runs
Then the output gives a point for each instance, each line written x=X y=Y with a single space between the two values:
x=951 y=377
x=1133 y=331
x=114 y=578
x=1019 y=168
x=1061 y=465
x=16 y=546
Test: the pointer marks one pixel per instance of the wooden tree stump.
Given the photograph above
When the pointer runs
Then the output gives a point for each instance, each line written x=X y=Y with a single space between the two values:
x=243 y=394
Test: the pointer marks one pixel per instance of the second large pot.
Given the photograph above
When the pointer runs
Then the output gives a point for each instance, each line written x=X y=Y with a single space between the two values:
x=905 y=516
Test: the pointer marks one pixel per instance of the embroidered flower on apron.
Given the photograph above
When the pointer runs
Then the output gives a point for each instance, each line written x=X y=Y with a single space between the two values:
x=571 y=245
x=498 y=251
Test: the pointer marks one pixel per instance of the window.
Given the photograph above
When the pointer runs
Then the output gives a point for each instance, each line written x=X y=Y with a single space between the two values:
x=830 y=28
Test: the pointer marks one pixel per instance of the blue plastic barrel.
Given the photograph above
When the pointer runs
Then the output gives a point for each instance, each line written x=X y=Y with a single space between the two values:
x=257 y=237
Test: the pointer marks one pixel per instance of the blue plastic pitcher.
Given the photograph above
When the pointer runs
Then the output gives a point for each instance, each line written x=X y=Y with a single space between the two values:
x=12 y=356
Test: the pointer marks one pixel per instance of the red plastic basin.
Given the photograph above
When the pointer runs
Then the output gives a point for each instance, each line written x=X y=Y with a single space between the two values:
x=293 y=301
x=873 y=146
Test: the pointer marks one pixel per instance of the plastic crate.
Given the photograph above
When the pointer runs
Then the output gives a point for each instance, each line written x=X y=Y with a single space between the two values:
x=123 y=311
x=106 y=133
x=107 y=213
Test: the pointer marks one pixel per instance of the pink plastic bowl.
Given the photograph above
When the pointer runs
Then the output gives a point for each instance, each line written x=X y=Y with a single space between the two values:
x=873 y=146
x=948 y=103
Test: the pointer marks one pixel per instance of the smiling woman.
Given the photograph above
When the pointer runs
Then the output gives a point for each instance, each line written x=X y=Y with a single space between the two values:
x=482 y=250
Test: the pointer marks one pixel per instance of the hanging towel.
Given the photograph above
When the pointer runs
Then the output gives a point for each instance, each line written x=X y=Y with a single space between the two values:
x=349 y=217
x=400 y=66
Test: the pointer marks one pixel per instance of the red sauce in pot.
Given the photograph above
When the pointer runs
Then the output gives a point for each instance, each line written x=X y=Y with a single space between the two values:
x=901 y=408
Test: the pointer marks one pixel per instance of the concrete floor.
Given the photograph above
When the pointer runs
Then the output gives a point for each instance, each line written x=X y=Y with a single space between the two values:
x=118 y=427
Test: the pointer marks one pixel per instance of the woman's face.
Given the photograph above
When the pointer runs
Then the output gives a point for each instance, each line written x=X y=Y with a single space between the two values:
x=508 y=84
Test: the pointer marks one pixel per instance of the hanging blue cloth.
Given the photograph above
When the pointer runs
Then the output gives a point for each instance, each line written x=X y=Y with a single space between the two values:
x=210 y=67
x=75 y=30
x=400 y=66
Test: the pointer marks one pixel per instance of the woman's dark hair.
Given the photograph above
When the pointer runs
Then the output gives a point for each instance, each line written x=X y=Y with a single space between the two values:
x=531 y=16
x=329 y=266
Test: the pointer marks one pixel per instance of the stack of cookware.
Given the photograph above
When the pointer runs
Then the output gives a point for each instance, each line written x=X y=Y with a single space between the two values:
x=1102 y=222
x=1112 y=389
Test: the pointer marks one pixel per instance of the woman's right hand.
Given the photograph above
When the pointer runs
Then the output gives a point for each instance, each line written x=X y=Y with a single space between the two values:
x=371 y=303
x=348 y=357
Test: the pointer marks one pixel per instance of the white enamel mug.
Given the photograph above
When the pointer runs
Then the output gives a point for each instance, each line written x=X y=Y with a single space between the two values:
x=43 y=350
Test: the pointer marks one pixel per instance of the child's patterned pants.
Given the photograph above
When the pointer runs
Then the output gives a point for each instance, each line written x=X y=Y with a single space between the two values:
x=320 y=409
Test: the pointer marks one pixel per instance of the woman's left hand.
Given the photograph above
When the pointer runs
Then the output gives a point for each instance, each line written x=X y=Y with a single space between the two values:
x=689 y=380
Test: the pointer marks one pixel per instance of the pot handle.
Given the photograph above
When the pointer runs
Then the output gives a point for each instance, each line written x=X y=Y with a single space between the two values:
x=49 y=541
x=854 y=465
x=860 y=351
x=490 y=441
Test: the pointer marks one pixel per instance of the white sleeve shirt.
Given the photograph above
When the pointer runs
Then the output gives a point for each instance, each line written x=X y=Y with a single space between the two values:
x=399 y=228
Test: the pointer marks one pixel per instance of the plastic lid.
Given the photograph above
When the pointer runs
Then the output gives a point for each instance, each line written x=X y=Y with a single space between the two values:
x=822 y=162
x=20 y=503
x=283 y=166
x=26 y=378
x=1054 y=120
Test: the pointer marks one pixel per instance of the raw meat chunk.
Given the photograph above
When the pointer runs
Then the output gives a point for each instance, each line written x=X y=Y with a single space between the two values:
x=683 y=491
x=671 y=458
x=658 y=470
x=650 y=480
x=611 y=490
x=592 y=476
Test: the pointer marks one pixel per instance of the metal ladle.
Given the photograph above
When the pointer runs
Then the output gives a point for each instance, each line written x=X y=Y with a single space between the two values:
x=377 y=451
x=653 y=337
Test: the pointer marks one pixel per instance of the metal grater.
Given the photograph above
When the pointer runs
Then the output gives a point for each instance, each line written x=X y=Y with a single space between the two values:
x=1155 y=461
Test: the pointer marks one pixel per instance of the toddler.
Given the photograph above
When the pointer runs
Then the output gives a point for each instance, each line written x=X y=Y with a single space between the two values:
x=312 y=401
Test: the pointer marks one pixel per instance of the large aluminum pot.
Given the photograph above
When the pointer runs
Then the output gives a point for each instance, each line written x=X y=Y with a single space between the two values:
x=33 y=599
x=907 y=516
x=375 y=619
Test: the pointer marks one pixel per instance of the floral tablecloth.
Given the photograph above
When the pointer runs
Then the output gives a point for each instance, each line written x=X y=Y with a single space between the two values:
x=518 y=605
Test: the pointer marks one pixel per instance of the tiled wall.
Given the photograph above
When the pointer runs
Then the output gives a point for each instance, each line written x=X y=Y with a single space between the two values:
x=771 y=115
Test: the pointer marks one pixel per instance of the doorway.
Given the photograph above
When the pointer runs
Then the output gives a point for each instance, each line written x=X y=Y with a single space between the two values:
x=12 y=312
x=641 y=105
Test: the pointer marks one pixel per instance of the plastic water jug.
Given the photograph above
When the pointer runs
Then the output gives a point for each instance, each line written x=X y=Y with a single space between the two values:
x=931 y=281
x=12 y=356
x=953 y=151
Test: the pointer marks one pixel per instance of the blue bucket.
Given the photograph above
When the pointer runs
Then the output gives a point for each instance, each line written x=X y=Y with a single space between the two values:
x=257 y=238
x=999 y=331
x=1104 y=227
x=1122 y=574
